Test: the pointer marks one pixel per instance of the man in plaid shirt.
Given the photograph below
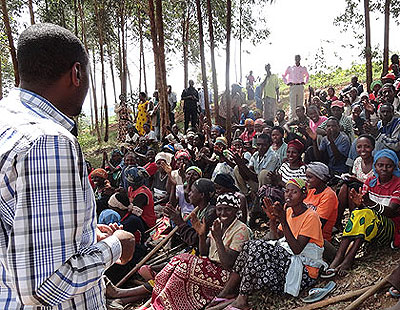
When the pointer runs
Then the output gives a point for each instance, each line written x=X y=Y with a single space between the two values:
x=52 y=254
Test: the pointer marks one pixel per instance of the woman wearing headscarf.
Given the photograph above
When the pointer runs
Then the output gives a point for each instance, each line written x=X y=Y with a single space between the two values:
x=190 y=282
x=182 y=160
x=123 y=113
x=321 y=197
x=284 y=266
x=378 y=205
x=293 y=167
x=249 y=131
x=102 y=188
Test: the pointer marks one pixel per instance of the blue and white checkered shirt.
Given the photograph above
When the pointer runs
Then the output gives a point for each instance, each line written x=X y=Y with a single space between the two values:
x=49 y=258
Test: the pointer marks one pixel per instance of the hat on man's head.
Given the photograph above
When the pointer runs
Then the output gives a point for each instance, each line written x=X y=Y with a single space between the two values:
x=226 y=180
x=204 y=185
x=389 y=76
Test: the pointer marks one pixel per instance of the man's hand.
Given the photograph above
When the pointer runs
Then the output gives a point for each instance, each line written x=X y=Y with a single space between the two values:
x=311 y=134
x=128 y=246
x=103 y=231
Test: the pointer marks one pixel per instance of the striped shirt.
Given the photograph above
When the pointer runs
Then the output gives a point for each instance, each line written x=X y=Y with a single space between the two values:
x=287 y=173
x=49 y=256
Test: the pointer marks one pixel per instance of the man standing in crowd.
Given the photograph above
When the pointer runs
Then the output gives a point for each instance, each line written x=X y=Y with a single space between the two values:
x=296 y=77
x=270 y=89
x=354 y=84
x=250 y=86
x=51 y=252
x=172 y=104
x=190 y=97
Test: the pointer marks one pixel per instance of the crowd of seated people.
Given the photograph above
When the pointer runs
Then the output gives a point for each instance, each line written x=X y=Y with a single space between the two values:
x=332 y=170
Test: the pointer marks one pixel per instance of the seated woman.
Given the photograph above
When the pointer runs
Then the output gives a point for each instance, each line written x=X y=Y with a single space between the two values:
x=293 y=167
x=102 y=188
x=362 y=170
x=182 y=158
x=285 y=266
x=278 y=147
x=190 y=282
x=376 y=205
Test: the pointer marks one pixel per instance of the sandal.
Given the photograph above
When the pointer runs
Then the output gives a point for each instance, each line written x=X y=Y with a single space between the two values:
x=219 y=300
x=393 y=292
x=316 y=294
x=328 y=273
x=230 y=307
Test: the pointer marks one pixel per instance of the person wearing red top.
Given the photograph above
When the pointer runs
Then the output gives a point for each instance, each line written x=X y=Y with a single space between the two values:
x=331 y=94
x=249 y=133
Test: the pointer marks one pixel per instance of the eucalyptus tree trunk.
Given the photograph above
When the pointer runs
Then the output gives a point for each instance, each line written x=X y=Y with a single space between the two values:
x=1 y=77
x=386 y=39
x=99 y=21
x=213 y=67
x=203 y=62
x=185 y=43
x=6 y=20
x=31 y=14
x=368 y=55
x=227 y=71
x=112 y=70
x=93 y=84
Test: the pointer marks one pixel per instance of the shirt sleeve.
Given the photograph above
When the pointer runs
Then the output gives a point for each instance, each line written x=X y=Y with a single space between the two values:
x=344 y=145
x=327 y=206
x=307 y=76
x=323 y=145
x=240 y=237
x=54 y=216
x=285 y=75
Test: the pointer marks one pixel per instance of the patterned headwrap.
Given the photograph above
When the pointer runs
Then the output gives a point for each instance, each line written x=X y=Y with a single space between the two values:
x=219 y=129
x=221 y=140
x=377 y=82
x=259 y=121
x=320 y=170
x=184 y=154
x=116 y=151
x=100 y=173
x=197 y=169
x=296 y=144
x=388 y=154
x=115 y=203
x=300 y=183
x=167 y=157
x=249 y=121
x=229 y=199
x=136 y=176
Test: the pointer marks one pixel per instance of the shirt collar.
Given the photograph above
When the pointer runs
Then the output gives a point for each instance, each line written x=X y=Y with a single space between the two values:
x=43 y=108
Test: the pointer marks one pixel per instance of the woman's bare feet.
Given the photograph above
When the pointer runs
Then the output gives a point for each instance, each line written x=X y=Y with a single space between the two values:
x=240 y=303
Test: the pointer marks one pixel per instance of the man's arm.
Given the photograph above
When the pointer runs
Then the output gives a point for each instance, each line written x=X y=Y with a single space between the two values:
x=307 y=76
x=48 y=259
x=393 y=141
x=285 y=75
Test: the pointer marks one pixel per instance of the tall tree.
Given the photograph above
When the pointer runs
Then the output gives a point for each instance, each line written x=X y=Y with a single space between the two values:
x=386 y=38
x=213 y=67
x=203 y=62
x=227 y=70
x=368 y=49
x=6 y=20
x=100 y=11
x=31 y=13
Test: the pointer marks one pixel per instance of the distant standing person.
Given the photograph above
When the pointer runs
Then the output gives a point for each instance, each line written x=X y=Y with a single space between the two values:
x=190 y=97
x=296 y=77
x=123 y=113
x=172 y=104
x=270 y=94
x=142 y=116
x=250 y=86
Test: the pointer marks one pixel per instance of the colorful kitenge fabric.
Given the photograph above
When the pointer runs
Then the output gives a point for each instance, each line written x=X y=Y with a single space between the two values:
x=188 y=282
x=370 y=226
x=142 y=117
x=262 y=265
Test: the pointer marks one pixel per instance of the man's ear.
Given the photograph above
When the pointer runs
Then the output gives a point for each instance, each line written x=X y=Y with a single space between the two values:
x=76 y=74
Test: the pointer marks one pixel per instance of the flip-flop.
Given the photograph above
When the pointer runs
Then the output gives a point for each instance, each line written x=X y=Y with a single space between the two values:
x=316 y=294
x=328 y=273
x=219 y=300
x=392 y=292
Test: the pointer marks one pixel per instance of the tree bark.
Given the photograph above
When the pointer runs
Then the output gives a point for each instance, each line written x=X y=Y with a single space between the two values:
x=386 y=39
x=99 y=15
x=185 y=43
x=240 y=41
x=112 y=71
x=227 y=71
x=203 y=62
x=31 y=14
x=368 y=55
x=11 y=46
x=83 y=25
x=162 y=90
x=213 y=67
x=1 y=77
x=123 y=47
x=75 y=19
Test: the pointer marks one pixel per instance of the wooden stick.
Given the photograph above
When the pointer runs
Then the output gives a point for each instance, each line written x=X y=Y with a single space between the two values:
x=161 y=257
x=334 y=299
x=373 y=289
x=154 y=227
x=153 y=251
